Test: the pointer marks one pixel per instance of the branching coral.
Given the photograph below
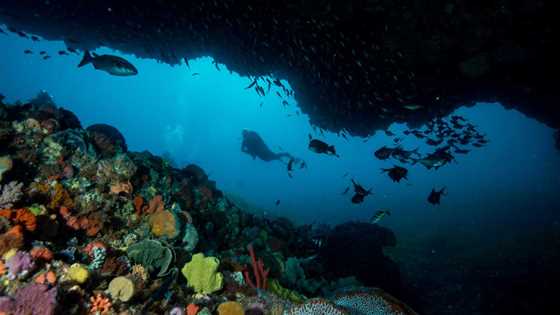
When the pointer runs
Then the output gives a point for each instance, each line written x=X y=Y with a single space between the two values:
x=9 y=194
x=259 y=273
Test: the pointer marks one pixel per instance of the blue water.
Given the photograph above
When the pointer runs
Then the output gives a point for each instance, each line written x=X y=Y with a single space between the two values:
x=511 y=183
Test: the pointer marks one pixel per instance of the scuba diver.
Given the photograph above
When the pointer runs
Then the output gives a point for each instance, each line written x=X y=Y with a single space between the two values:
x=254 y=145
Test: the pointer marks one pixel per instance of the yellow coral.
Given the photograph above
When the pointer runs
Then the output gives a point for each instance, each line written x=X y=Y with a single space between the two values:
x=78 y=273
x=230 y=308
x=163 y=223
x=201 y=273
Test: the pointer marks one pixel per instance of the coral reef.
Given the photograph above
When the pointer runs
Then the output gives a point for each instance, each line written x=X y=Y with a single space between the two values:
x=88 y=227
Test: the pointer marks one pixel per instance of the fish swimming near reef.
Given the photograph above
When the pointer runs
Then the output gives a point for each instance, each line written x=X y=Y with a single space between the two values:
x=435 y=196
x=380 y=214
x=113 y=65
x=396 y=173
x=359 y=192
x=321 y=147
x=254 y=145
x=383 y=153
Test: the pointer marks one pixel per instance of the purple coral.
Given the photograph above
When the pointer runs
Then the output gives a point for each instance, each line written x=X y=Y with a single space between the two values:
x=9 y=194
x=36 y=299
x=19 y=264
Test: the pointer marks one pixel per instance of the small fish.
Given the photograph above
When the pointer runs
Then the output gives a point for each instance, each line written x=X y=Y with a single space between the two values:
x=62 y=53
x=46 y=57
x=383 y=153
x=277 y=202
x=290 y=167
x=28 y=52
x=279 y=95
x=22 y=34
x=396 y=173
x=397 y=140
x=215 y=63
x=42 y=52
x=413 y=107
x=284 y=103
x=35 y=38
x=72 y=50
x=113 y=65
x=359 y=193
x=380 y=214
x=195 y=74
x=251 y=85
x=435 y=196
x=321 y=147
x=461 y=151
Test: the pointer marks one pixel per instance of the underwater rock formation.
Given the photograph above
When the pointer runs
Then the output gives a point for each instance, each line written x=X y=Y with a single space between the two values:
x=356 y=249
x=354 y=65
x=107 y=139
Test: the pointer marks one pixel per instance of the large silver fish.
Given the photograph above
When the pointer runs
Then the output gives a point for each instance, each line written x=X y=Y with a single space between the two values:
x=113 y=65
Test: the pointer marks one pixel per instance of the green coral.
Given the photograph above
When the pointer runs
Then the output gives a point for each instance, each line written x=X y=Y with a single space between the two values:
x=155 y=257
x=286 y=294
x=201 y=273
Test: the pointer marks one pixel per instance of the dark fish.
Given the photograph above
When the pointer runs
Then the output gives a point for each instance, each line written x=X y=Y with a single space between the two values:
x=433 y=142
x=383 y=153
x=437 y=159
x=406 y=132
x=195 y=74
x=251 y=85
x=42 y=52
x=35 y=38
x=113 y=65
x=435 y=196
x=72 y=50
x=22 y=34
x=284 y=103
x=28 y=52
x=321 y=147
x=461 y=151
x=404 y=156
x=290 y=167
x=359 y=193
x=215 y=63
x=46 y=57
x=62 y=53
x=279 y=95
x=396 y=173
x=277 y=202
x=389 y=133
x=478 y=145
x=397 y=140
x=380 y=214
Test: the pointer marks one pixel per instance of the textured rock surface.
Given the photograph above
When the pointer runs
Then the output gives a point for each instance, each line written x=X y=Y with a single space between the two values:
x=353 y=64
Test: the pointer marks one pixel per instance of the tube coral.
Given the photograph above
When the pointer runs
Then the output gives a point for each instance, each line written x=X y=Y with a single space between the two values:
x=259 y=273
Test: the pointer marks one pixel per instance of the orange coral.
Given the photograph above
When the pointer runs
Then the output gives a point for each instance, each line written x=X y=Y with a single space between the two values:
x=163 y=223
x=99 y=304
x=13 y=238
x=2 y=268
x=26 y=218
x=41 y=253
x=155 y=205
x=138 y=202
x=93 y=223
x=46 y=277
x=192 y=309
x=123 y=187
x=20 y=216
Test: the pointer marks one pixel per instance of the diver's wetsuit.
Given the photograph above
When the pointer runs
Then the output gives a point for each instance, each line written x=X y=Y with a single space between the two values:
x=254 y=145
